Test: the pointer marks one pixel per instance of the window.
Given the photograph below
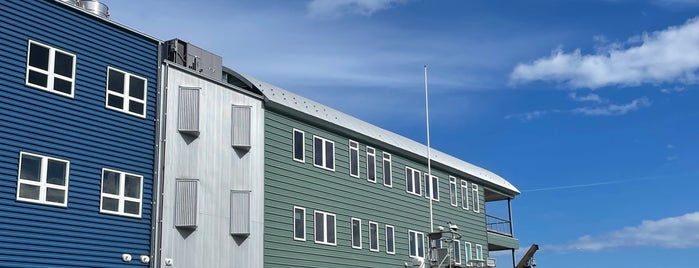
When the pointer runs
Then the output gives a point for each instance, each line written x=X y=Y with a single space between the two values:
x=387 y=177
x=432 y=187
x=476 y=201
x=464 y=194
x=390 y=242
x=354 y=158
x=416 y=244
x=42 y=179
x=356 y=233
x=452 y=191
x=126 y=92
x=50 y=69
x=299 y=223
x=468 y=256
x=412 y=181
x=324 y=228
x=323 y=153
x=121 y=193
x=299 y=146
x=479 y=252
x=373 y=236
x=370 y=164
x=457 y=251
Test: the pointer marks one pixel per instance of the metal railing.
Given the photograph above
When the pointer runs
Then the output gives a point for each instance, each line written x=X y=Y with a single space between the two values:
x=498 y=225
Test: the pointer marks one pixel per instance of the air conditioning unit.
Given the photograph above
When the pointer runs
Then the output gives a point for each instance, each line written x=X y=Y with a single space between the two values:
x=490 y=263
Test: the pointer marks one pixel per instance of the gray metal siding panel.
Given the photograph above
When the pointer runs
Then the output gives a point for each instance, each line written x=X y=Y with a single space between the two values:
x=188 y=112
x=240 y=212
x=186 y=203
x=80 y=130
x=240 y=126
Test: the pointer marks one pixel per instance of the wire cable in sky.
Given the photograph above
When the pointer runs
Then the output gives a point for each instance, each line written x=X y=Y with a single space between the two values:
x=563 y=187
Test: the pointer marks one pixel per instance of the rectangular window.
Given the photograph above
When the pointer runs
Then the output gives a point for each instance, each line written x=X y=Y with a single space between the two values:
x=324 y=228
x=412 y=181
x=50 y=69
x=299 y=146
x=42 y=179
x=126 y=92
x=299 y=223
x=452 y=191
x=387 y=176
x=188 y=111
x=356 y=233
x=240 y=126
x=457 y=251
x=373 y=236
x=432 y=187
x=476 y=200
x=186 y=203
x=464 y=194
x=479 y=252
x=390 y=242
x=121 y=193
x=416 y=244
x=467 y=249
x=354 y=158
x=323 y=153
x=370 y=164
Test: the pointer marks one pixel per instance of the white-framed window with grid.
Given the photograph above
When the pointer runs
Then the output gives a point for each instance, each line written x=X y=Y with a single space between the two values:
x=42 y=179
x=324 y=224
x=370 y=164
x=453 y=193
x=432 y=187
x=50 y=69
x=323 y=153
x=387 y=169
x=416 y=244
x=122 y=193
x=354 y=158
x=464 y=194
x=126 y=92
x=412 y=181
x=476 y=199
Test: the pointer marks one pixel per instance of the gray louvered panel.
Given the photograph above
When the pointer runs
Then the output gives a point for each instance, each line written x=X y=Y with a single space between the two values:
x=188 y=114
x=186 y=203
x=240 y=212
x=240 y=126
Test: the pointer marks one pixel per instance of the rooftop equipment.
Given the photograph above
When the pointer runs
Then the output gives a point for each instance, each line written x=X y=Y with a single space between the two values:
x=95 y=7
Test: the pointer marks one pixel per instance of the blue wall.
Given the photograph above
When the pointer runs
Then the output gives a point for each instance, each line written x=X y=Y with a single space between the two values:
x=80 y=130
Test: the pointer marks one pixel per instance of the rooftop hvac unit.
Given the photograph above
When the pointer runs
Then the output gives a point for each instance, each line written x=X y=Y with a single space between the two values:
x=94 y=7
x=194 y=58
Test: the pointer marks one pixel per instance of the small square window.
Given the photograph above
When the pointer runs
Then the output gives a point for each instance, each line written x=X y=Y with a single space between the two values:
x=42 y=179
x=50 y=69
x=126 y=92
x=122 y=193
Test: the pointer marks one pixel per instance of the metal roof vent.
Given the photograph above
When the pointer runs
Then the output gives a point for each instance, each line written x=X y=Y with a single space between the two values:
x=95 y=7
x=70 y=2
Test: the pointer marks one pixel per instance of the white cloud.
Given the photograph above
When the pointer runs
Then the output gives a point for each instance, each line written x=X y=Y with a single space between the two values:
x=681 y=3
x=667 y=56
x=338 y=7
x=589 y=97
x=614 y=109
x=673 y=90
x=673 y=232
x=529 y=116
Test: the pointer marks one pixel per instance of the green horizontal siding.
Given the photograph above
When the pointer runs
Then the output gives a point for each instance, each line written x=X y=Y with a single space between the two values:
x=290 y=183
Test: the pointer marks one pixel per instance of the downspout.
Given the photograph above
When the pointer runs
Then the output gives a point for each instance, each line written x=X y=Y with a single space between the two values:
x=157 y=228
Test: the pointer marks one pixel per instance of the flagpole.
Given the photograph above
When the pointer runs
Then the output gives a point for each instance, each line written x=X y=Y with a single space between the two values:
x=429 y=155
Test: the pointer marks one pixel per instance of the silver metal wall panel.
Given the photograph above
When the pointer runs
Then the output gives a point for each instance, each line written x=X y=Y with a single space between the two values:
x=240 y=212
x=186 y=203
x=240 y=126
x=188 y=112
x=219 y=168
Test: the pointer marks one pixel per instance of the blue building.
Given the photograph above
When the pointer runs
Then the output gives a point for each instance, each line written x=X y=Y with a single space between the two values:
x=77 y=127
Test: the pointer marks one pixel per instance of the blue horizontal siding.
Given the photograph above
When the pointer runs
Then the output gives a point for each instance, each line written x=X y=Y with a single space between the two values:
x=81 y=130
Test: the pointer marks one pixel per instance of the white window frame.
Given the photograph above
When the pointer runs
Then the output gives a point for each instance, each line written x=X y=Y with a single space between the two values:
x=464 y=194
x=353 y=150
x=303 y=145
x=469 y=251
x=50 y=73
x=375 y=235
x=303 y=221
x=325 y=228
x=352 y=233
x=387 y=165
x=43 y=183
x=370 y=162
x=455 y=244
x=429 y=190
x=479 y=252
x=410 y=180
x=121 y=196
x=476 y=200
x=419 y=242
x=453 y=193
x=125 y=96
x=393 y=238
x=324 y=150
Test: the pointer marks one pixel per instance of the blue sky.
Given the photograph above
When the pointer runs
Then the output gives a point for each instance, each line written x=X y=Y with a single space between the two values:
x=587 y=106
